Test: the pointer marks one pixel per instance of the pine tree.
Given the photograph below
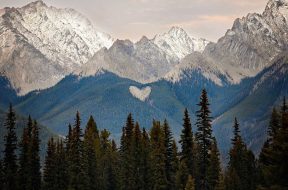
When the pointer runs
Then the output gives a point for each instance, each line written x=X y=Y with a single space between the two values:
x=35 y=158
x=221 y=184
x=204 y=141
x=284 y=114
x=181 y=176
x=55 y=168
x=146 y=161
x=77 y=175
x=49 y=171
x=214 y=168
x=108 y=175
x=274 y=125
x=1 y=175
x=237 y=137
x=127 y=177
x=169 y=156
x=10 y=159
x=241 y=167
x=61 y=176
x=25 y=157
x=187 y=155
x=68 y=139
x=274 y=154
x=174 y=164
x=137 y=157
x=68 y=153
x=190 y=183
x=159 y=180
x=114 y=167
x=232 y=180
x=91 y=137
x=251 y=176
x=264 y=157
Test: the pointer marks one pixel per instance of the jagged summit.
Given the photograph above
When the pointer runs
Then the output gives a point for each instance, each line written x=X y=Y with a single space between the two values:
x=145 y=61
x=247 y=48
x=52 y=43
x=38 y=3
x=177 y=31
x=143 y=39
x=177 y=43
x=276 y=4
x=55 y=42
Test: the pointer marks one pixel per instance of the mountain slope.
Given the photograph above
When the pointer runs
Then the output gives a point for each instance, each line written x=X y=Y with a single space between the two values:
x=109 y=99
x=145 y=61
x=106 y=96
x=254 y=110
x=44 y=44
x=250 y=45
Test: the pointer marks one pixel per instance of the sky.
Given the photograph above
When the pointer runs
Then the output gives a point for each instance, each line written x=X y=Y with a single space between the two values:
x=131 y=19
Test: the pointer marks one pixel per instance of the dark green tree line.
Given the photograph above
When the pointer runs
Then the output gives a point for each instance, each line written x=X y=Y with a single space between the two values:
x=90 y=160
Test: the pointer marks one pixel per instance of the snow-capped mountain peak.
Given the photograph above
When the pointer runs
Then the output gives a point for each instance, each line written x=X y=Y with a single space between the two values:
x=177 y=43
x=177 y=31
x=52 y=41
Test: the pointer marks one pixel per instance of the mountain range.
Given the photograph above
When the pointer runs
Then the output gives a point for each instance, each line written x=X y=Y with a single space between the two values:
x=53 y=62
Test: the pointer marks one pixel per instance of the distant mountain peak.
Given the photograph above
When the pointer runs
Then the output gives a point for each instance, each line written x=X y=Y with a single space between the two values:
x=177 y=30
x=276 y=4
x=177 y=43
x=51 y=40
x=277 y=8
x=144 y=39
x=38 y=3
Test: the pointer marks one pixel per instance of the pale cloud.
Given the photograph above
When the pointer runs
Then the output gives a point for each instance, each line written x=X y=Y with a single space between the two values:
x=135 y=18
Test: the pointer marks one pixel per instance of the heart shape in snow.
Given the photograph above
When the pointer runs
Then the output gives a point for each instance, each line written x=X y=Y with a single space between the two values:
x=141 y=94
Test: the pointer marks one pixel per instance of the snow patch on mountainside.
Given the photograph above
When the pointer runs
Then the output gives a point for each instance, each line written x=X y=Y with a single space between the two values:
x=141 y=94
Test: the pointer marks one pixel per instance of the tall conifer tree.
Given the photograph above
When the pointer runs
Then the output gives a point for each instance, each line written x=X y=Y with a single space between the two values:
x=137 y=157
x=91 y=136
x=127 y=176
x=25 y=157
x=273 y=156
x=204 y=141
x=214 y=168
x=35 y=158
x=159 y=180
x=169 y=156
x=50 y=165
x=77 y=175
x=187 y=155
x=190 y=185
x=10 y=159
x=1 y=175
x=241 y=166
x=146 y=161
x=61 y=166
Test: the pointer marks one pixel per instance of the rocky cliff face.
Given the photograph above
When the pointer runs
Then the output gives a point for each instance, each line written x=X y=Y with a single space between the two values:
x=142 y=62
x=146 y=60
x=249 y=46
x=253 y=41
x=40 y=44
